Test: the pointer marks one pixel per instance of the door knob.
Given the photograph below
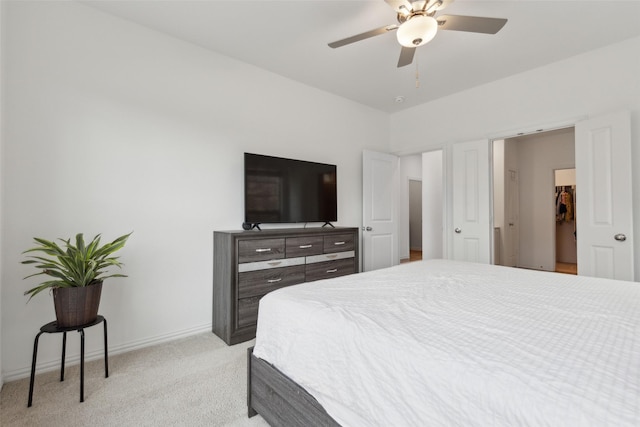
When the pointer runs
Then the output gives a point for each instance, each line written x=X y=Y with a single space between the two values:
x=620 y=237
x=457 y=230
x=367 y=229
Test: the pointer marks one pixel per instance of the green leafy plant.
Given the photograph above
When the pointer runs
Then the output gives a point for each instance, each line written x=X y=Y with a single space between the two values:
x=73 y=265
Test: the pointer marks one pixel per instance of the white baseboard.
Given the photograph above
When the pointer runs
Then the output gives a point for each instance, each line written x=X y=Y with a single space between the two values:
x=52 y=365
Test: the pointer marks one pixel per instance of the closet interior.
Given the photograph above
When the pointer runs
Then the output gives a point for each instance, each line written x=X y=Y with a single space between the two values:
x=565 y=213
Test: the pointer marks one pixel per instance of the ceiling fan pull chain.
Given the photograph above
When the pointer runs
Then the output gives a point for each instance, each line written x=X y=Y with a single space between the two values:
x=417 y=74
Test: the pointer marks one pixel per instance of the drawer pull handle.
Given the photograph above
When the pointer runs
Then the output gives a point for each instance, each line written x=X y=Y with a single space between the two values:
x=274 y=263
x=274 y=280
x=332 y=256
x=333 y=270
x=263 y=250
x=305 y=246
x=338 y=243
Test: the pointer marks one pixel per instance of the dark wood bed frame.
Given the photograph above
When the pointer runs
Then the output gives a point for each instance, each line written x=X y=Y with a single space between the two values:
x=279 y=400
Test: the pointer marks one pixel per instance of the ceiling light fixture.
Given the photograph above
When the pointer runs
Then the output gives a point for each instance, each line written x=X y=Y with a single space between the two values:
x=417 y=30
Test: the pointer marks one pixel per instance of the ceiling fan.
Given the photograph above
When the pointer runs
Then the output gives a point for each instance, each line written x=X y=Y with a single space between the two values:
x=417 y=25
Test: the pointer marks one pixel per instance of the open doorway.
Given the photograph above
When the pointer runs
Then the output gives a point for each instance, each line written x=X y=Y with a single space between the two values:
x=409 y=248
x=421 y=230
x=524 y=197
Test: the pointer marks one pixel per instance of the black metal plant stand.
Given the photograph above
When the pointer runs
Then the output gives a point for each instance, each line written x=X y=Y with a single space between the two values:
x=52 y=328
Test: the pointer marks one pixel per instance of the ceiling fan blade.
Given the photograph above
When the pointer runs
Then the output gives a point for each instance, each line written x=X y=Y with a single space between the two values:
x=474 y=24
x=406 y=56
x=398 y=4
x=362 y=36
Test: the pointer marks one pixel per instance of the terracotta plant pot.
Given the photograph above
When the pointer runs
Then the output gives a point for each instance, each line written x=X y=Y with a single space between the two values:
x=77 y=306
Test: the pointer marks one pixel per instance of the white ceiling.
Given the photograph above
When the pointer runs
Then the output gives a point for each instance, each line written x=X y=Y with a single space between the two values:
x=290 y=38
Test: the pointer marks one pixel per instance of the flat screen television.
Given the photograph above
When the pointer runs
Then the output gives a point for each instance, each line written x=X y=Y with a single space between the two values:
x=279 y=190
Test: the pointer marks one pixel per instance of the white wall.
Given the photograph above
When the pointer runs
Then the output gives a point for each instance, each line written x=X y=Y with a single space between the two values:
x=539 y=155
x=415 y=215
x=596 y=82
x=432 y=203
x=111 y=128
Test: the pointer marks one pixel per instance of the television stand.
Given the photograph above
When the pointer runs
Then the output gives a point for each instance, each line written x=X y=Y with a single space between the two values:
x=327 y=223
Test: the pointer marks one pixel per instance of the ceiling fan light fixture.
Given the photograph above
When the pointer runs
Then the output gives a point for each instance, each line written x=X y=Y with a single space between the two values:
x=416 y=31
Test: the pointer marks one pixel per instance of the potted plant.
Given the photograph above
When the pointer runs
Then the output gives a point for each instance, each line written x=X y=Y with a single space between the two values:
x=75 y=275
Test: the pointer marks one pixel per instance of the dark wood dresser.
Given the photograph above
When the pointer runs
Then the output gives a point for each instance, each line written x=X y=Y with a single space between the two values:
x=249 y=264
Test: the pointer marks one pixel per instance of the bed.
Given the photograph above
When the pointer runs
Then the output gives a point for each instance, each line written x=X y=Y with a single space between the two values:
x=442 y=342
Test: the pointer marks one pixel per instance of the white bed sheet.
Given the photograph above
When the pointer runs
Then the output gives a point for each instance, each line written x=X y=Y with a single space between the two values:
x=445 y=343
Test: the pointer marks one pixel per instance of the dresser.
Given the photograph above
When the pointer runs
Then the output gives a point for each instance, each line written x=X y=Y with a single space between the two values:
x=249 y=264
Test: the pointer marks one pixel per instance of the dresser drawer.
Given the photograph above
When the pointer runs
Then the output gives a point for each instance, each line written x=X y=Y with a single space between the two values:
x=261 y=282
x=328 y=269
x=260 y=249
x=272 y=263
x=330 y=257
x=303 y=246
x=339 y=243
x=247 y=311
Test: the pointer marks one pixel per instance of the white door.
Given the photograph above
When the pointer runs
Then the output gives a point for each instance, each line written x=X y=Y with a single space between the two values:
x=379 y=210
x=604 y=225
x=471 y=228
x=512 y=206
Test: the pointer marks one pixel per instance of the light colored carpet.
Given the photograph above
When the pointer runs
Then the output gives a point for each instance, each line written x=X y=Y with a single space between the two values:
x=194 y=381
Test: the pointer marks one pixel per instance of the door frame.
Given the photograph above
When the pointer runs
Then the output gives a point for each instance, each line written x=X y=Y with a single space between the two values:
x=515 y=134
x=514 y=243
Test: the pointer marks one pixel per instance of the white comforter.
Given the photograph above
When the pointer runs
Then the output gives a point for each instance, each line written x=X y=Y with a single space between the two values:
x=443 y=343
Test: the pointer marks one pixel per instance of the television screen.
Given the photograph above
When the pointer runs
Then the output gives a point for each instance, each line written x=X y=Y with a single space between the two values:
x=278 y=190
